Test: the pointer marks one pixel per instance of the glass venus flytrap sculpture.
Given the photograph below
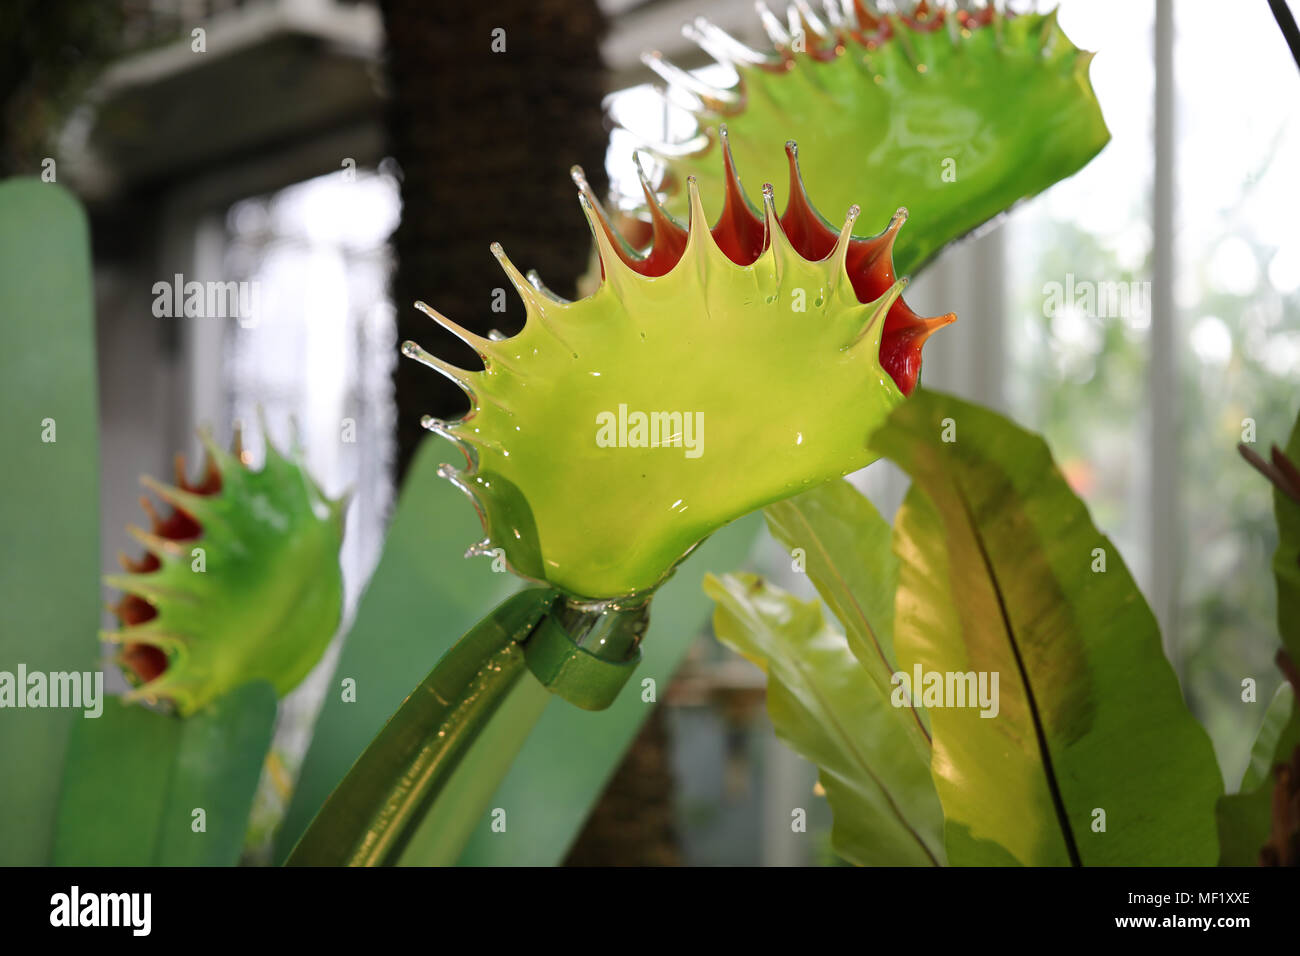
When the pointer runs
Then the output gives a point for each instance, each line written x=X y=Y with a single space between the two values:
x=780 y=341
x=722 y=370
x=240 y=581
x=783 y=340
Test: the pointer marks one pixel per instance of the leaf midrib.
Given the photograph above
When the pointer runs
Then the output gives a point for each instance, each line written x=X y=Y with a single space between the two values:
x=861 y=614
x=851 y=748
x=1045 y=755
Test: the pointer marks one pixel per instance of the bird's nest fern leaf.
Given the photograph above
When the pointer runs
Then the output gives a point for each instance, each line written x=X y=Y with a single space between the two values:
x=725 y=369
x=239 y=581
x=958 y=114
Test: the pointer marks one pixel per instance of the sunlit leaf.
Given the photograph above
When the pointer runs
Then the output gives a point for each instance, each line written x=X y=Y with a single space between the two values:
x=1001 y=575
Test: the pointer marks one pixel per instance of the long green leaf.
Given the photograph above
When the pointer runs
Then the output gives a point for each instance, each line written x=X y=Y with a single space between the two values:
x=222 y=752
x=1001 y=575
x=119 y=771
x=457 y=714
x=135 y=778
x=845 y=546
x=823 y=704
x=49 y=512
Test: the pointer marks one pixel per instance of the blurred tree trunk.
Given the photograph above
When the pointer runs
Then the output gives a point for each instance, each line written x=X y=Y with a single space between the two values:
x=485 y=139
x=51 y=52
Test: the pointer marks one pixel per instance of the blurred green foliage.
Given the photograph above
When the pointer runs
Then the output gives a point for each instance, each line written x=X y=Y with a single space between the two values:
x=1081 y=382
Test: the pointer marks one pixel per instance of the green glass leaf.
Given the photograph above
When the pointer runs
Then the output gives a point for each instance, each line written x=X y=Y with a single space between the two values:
x=135 y=778
x=441 y=837
x=825 y=707
x=118 y=770
x=1000 y=575
x=417 y=790
x=49 y=512
x=956 y=115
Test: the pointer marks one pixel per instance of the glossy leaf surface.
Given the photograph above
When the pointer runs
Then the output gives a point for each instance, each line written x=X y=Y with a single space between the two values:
x=1001 y=575
x=824 y=706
